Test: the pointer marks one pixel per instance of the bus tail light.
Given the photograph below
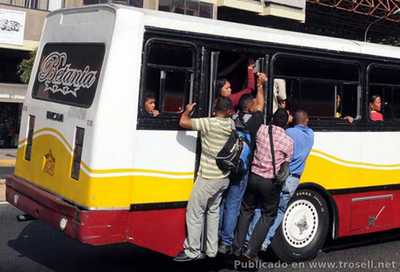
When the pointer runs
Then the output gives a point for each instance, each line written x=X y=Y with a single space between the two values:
x=31 y=127
x=76 y=161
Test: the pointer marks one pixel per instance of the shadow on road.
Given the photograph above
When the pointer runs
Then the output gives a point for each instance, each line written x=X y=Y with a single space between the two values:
x=52 y=249
x=363 y=240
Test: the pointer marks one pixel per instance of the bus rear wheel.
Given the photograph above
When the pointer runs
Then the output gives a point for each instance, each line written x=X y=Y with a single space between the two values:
x=304 y=227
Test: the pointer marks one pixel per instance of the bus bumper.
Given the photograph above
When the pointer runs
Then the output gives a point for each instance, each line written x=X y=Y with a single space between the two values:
x=89 y=227
x=160 y=230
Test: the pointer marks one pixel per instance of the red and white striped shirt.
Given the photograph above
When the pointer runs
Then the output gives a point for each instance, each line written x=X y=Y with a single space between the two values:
x=283 y=146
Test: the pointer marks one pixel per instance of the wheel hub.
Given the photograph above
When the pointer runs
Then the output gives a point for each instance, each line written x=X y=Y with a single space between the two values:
x=300 y=223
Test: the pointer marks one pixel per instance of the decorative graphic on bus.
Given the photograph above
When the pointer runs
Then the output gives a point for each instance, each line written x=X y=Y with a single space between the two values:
x=58 y=76
x=68 y=73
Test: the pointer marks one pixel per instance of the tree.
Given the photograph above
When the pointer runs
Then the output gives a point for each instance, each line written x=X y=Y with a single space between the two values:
x=25 y=67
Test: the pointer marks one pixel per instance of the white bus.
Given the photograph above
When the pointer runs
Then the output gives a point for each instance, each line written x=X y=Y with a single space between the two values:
x=92 y=163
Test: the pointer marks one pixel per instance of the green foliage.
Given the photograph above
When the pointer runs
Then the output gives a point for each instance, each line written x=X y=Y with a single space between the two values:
x=25 y=67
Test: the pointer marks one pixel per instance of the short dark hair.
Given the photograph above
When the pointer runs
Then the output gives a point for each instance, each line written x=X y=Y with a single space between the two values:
x=280 y=118
x=244 y=102
x=223 y=104
x=148 y=97
x=300 y=116
x=219 y=84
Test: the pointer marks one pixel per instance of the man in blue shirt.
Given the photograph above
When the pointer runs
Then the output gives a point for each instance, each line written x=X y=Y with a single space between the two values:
x=303 y=138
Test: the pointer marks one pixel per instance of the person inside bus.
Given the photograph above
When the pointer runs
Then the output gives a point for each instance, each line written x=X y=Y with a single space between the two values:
x=284 y=104
x=223 y=86
x=248 y=119
x=150 y=106
x=261 y=189
x=375 y=106
x=211 y=182
x=339 y=109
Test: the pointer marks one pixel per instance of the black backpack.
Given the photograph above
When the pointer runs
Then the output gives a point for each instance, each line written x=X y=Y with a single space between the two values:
x=234 y=155
x=228 y=158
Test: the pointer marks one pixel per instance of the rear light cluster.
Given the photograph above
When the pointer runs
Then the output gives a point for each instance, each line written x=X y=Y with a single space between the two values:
x=28 y=148
x=76 y=162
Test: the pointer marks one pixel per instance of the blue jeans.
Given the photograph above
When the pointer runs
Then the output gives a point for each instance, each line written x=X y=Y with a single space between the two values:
x=230 y=208
x=288 y=190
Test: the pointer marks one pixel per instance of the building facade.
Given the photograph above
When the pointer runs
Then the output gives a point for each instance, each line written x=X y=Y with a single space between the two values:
x=21 y=23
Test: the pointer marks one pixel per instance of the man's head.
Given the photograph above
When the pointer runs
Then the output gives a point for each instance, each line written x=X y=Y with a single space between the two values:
x=223 y=106
x=149 y=103
x=301 y=118
x=280 y=118
x=247 y=103
x=223 y=87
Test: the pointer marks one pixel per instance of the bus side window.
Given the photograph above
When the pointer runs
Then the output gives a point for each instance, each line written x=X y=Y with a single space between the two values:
x=168 y=77
x=384 y=81
x=314 y=84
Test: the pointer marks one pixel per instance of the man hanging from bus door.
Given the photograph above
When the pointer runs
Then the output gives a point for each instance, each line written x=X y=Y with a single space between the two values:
x=211 y=182
x=303 y=140
x=223 y=86
x=247 y=121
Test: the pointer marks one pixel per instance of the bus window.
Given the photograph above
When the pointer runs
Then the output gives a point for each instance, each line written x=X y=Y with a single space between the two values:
x=168 y=76
x=236 y=71
x=384 y=81
x=325 y=88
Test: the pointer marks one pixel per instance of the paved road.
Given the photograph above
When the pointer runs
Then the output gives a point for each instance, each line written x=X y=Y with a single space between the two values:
x=4 y=171
x=33 y=246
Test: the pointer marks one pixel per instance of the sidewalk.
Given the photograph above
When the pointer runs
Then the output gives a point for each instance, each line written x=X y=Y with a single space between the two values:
x=7 y=157
x=7 y=162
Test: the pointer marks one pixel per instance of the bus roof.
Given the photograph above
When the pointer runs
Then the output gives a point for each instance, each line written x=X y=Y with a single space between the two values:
x=173 y=21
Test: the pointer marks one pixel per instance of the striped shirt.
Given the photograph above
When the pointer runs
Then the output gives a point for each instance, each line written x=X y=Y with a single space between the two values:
x=214 y=134
x=283 y=146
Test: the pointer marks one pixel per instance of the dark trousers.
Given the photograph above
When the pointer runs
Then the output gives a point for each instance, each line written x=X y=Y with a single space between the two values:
x=261 y=193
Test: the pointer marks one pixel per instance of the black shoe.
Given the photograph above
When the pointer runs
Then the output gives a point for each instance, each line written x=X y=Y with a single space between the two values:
x=225 y=249
x=249 y=256
x=182 y=257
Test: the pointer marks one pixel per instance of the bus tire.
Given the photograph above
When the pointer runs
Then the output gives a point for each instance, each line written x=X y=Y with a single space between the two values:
x=304 y=228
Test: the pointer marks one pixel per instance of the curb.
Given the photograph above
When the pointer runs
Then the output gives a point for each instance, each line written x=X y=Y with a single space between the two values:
x=7 y=163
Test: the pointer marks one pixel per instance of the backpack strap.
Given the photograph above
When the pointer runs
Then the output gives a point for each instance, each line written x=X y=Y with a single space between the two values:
x=271 y=142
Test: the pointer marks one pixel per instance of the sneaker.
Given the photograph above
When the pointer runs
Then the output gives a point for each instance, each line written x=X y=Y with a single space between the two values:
x=224 y=249
x=182 y=257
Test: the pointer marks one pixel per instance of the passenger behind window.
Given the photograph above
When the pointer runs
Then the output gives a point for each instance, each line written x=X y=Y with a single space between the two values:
x=339 y=109
x=375 y=105
x=223 y=86
x=284 y=104
x=150 y=106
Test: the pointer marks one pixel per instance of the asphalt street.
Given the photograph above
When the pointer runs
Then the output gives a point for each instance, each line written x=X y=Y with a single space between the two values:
x=33 y=246
x=4 y=171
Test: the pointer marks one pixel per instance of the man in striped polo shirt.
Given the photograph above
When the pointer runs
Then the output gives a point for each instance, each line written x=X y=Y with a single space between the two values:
x=211 y=182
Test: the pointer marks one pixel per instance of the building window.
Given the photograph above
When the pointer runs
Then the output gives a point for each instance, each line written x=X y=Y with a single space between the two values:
x=135 y=3
x=188 y=7
x=49 y=5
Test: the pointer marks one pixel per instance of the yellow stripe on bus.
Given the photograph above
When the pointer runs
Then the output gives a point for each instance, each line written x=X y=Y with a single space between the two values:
x=96 y=192
x=123 y=187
